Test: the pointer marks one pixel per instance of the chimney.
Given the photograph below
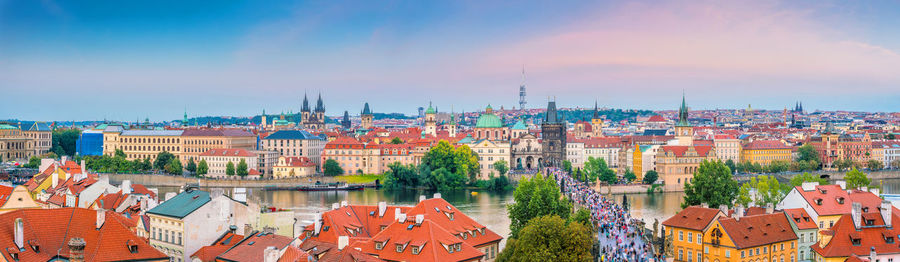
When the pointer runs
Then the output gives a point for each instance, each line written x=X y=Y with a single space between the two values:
x=886 y=208
x=770 y=208
x=738 y=212
x=83 y=168
x=809 y=186
x=344 y=203
x=335 y=206
x=382 y=207
x=270 y=254
x=396 y=213
x=872 y=254
x=419 y=219
x=318 y=223
x=842 y=183
x=724 y=209
x=856 y=214
x=402 y=218
x=76 y=249
x=875 y=191
x=704 y=205
x=421 y=198
x=865 y=188
x=343 y=241
x=437 y=195
x=248 y=229
x=101 y=218
x=126 y=187
x=20 y=233
x=54 y=179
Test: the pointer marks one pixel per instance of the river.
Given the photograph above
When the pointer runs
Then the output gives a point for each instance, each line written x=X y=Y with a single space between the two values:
x=488 y=208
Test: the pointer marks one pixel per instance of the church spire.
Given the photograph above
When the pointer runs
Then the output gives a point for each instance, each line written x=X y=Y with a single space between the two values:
x=320 y=107
x=683 y=113
x=596 y=111
x=305 y=107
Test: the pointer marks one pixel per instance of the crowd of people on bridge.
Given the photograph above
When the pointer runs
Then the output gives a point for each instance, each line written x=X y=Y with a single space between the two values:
x=619 y=235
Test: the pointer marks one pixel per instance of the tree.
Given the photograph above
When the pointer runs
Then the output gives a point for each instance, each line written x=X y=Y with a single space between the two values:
x=332 y=168
x=596 y=168
x=120 y=153
x=33 y=162
x=712 y=184
x=730 y=164
x=202 y=167
x=400 y=176
x=629 y=175
x=856 y=179
x=461 y=160
x=174 y=167
x=650 y=177
x=567 y=165
x=874 y=165
x=242 y=169
x=396 y=141
x=842 y=164
x=229 y=168
x=162 y=159
x=442 y=180
x=191 y=166
x=63 y=141
x=549 y=238
x=535 y=197
x=767 y=191
x=501 y=166
x=798 y=180
x=808 y=153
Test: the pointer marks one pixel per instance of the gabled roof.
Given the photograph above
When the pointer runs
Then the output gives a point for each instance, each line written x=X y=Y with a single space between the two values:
x=52 y=229
x=182 y=204
x=828 y=200
x=801 y=218
x=868 y=237
x=432 y=241
x=693 y=217
x=758 y=230
x=225 y=242
x=251 y=247
x=437 y=210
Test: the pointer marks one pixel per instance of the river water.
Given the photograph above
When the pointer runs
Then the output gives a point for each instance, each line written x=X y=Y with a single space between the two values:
x=488 y=208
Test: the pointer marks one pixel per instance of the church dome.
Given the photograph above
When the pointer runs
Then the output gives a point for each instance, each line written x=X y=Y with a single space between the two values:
x=488 y=120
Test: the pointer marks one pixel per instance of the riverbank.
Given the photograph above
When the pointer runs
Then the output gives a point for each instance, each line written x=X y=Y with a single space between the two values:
x=177 y=181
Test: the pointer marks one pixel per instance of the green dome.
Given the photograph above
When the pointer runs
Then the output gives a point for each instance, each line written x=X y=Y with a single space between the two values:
x=520 y=126
x=488 y=121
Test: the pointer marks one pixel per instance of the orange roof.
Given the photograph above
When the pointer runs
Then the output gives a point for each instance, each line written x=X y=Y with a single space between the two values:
x=679 y=151
x=832 y=200
x=752 y=231
x=437 y=210
x=298 y=161
x=251 y=248
x=432 y=240
x=53 y=228
x=693 y=217
x=294 y=254
x=869 y=237
x=5 y=191
x=209 y=253
x=801 y=218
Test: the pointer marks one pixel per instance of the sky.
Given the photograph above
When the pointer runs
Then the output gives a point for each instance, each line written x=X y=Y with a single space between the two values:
x=126 y=60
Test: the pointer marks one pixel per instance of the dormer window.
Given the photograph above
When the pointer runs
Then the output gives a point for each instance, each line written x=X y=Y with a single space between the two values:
x=818 y=201
x=889 y=240
x=464 y=235
x=379 y=245
x=840 y=200
x=415 y=250
x=399 y=248
x=870 y=222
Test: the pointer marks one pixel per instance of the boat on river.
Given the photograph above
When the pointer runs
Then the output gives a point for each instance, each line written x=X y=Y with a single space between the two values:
x=331 y=187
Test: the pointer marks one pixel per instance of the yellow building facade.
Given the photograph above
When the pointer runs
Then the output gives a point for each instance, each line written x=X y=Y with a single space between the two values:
x=765 y=152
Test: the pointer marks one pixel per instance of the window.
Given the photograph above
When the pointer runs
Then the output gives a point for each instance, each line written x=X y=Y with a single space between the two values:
x=681 y=254
x=680 y=235
x=728 y=253
x=690 y=237
x=415 y=250
x=690 y=256
x=399 y=248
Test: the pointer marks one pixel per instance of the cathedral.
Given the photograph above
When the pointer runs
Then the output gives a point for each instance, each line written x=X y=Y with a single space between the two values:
x=312 y=119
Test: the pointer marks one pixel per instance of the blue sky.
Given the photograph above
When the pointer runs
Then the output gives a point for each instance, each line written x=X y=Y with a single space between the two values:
x=122 y=60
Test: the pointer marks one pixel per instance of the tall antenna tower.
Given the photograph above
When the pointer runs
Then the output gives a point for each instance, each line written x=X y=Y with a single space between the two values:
x=522 y=91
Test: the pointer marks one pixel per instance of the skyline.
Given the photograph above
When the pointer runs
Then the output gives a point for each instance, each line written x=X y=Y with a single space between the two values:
x=236 y=58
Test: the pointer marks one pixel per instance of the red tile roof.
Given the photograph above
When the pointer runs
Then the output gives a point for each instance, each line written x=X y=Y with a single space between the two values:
x=298 y=161
x=5 y=191
x=251 y=248
x=832 y=200
x=432 y=240
x=209 y=253
x=752 y=231
x=437 y=210
x=679 y=151
x=53 y=228
x=294 y=254
x=693 y=217
x=869 y=237
x=228 y=152
x=801 y=218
